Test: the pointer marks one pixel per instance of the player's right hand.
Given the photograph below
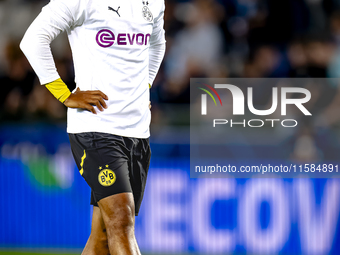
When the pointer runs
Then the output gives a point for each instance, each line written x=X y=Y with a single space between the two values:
x=87 y=100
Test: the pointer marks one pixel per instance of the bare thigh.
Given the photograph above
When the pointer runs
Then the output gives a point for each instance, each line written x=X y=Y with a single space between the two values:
x=118 y=213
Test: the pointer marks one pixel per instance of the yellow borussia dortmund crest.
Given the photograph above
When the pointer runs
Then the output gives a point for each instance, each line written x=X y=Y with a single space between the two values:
x=106 y=177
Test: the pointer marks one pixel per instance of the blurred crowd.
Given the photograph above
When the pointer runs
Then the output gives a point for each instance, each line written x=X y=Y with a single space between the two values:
x=205 y=38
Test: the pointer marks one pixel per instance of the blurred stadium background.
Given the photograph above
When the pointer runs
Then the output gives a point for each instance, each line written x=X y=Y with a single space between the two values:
x=44 y=203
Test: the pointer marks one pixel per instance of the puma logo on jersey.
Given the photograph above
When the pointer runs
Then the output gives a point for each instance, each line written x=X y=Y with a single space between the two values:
x=116 y=11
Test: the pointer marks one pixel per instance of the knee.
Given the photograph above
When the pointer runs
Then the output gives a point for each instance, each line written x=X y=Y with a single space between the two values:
x=121 y=220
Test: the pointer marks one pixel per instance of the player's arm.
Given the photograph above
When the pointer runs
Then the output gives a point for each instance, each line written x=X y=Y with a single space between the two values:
x=157 y=46
x=78 y=99
x=56 y=17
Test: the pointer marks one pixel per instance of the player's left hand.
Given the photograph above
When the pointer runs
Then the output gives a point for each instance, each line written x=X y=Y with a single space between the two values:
x=150 y=105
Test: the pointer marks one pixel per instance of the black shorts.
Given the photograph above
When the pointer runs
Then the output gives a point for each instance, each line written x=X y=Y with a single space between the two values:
x=112 y=164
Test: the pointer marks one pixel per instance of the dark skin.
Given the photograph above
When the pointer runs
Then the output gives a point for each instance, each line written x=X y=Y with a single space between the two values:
x=112 y=230
x=88 y=99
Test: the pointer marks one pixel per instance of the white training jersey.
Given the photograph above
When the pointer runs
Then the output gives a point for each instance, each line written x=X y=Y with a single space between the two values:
x=117 y=48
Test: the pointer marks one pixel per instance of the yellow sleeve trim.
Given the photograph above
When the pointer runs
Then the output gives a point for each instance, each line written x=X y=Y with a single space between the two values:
x=149 y=86
x=59 y=89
